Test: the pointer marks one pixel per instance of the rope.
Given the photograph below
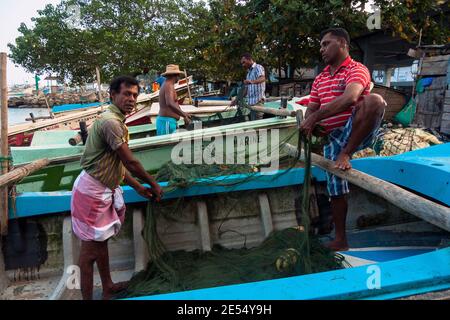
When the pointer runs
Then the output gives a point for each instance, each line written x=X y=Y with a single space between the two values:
x=7 y=160
x=305 y=221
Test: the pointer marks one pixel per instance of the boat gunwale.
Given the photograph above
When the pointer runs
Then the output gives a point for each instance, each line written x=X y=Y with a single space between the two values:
x=157 y=141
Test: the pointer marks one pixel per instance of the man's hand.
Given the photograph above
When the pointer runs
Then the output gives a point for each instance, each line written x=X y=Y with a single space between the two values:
x=187 y=119
x=151 y=193
x=233 y=102
x=247 y=81
x=308 y=125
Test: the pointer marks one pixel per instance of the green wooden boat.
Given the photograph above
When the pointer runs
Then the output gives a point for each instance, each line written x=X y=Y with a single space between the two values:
x=53 y=138
x=247 y=139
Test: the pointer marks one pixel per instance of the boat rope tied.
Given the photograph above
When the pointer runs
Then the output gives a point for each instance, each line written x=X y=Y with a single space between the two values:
x=7 y=160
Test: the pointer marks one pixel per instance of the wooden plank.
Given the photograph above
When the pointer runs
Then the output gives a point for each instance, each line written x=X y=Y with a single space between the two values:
x=203 y=224
x=266 y=215
x=189 y=89
x=434 y=68
x=430 y=104
x=276 y=112
x=427 y=210
x=446 y=107
x=99 y=83
x=447 y=98
x=445 y=126
x=20 y=173
x=432 y=113
x=437 y=58
x=446 y=116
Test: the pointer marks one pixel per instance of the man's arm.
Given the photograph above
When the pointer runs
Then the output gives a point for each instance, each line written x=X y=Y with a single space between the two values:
x=312 y=107
x=172 y=104
x=349 y=98
x=259 y=80
x=261 y=76
x=135 y=167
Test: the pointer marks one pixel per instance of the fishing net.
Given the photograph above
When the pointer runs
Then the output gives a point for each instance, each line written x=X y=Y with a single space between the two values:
x=281 y=255
x=284 y=253
x=393 y=141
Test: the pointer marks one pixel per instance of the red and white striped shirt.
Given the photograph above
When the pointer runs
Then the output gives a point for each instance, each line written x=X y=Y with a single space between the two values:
x=327 y=87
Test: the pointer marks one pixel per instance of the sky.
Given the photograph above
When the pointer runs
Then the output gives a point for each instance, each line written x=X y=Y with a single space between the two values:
x=12 y=14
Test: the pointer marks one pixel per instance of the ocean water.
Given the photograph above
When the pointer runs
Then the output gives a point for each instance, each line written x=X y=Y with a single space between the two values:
x=18 y=115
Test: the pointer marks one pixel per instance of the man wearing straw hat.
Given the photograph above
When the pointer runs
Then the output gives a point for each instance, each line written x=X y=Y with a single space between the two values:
x=169 y=109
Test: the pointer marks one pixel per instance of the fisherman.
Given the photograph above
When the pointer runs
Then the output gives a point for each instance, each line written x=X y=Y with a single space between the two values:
x=342 y=108
x=255 y=83
x=97 y=205
x=169 y=109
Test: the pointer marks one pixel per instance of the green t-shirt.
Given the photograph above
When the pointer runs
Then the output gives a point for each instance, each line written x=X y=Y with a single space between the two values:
x=100 y=159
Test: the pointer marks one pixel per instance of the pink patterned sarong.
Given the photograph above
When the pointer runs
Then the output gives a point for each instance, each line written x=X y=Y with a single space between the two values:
x=97 y=211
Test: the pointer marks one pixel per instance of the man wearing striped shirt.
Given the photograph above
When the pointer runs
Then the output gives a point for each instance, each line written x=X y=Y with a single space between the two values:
x=97 y=204
x=255 y=84
x=342 y=108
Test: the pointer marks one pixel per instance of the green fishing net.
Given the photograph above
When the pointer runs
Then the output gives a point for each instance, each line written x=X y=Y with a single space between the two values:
x=284 y=253
x=281 y=255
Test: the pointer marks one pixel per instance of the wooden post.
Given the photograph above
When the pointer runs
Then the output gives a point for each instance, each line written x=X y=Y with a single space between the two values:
x=189 y=89
x=99 y=84
x=387 y=77
x=3 y=152
x=424 y=209
x=4 y=281
x=50 y=113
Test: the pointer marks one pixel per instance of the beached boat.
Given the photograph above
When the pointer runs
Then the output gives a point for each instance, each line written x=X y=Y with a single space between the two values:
x=153 y=152
x=149 y=114
x=22 y=134
x=408 y=256
x=50 y=139
x=180 y=87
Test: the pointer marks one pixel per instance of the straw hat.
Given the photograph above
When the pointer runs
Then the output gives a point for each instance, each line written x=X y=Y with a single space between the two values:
x=172 y=69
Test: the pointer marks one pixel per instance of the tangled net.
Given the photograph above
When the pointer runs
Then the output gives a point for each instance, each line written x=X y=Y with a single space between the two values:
x=289 y=252
x=393 y=141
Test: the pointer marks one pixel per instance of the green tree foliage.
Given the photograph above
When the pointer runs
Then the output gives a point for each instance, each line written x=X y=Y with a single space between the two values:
x=207 y=38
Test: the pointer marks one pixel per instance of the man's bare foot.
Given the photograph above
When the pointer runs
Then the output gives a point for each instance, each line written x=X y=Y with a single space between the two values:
x=337 y=245
x=343 y=162
x=115 y=288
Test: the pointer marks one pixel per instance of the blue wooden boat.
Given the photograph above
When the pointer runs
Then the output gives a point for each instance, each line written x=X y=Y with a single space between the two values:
x=410 y=256
x=74 y=106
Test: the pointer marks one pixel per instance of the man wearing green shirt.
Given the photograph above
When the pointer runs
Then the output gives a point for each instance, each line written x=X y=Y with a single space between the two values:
x=97 y=205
